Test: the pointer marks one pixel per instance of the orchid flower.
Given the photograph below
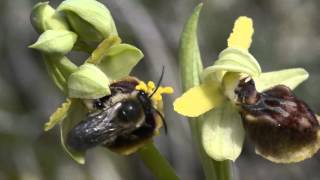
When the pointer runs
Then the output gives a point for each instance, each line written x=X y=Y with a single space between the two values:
x=223 y=131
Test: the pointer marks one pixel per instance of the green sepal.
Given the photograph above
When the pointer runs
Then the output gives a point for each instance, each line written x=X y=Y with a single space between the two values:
x=58 y=115
x=55 y=42
x=91 y=20
x=232 y=60
x=88 y=82
x=44 y=17
x=119 y=60
x=76 y=113
x=223 y=133
x=289 y=77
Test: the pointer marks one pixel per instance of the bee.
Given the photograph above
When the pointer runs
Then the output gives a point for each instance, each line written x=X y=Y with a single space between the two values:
x=123 y=121
x=282 y=127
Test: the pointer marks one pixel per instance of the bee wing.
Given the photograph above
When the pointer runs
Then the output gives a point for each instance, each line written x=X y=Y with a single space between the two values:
x=98 y=128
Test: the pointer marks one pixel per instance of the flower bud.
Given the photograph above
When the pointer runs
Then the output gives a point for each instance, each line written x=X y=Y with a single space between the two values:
x=90 y=19
x=55 y=42
x=88 y=82
x=282 y=127
x=44 y=17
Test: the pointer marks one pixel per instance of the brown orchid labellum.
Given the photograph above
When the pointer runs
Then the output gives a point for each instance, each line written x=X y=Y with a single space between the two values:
x=283 y=128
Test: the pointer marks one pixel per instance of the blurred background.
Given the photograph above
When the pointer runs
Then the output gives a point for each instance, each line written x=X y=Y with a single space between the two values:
x=287 y=35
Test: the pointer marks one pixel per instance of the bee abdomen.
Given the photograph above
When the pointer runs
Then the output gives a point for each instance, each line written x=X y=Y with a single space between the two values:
x=88 y=134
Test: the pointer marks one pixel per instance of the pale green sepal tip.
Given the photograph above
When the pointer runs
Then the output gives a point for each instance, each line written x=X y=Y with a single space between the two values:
x=58 y=115
x=55 y=42
x=88 y=82
x=119 y=60
x=223 y=133
x=97 y=20
x=76 y=113
x=288 y=77
x=43 y=17
x=232 y=60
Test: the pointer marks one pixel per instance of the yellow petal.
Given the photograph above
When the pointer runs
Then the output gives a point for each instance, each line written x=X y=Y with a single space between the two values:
x=198 y=100
x=241 y=37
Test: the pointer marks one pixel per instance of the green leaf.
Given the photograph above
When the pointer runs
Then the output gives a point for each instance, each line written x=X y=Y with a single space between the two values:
x=55 y=42
x=120 y=60
x=223 y=133
x=44 y=17
x=289 y=77
x=189 y=53
x=58 y=115
x=76 y=113
x=190 y=69
x=88 y=82
x=90 y=19
x=233 y=60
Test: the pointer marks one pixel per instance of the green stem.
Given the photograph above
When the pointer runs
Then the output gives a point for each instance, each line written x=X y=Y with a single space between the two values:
x=59 y=68
x=223 y=169
x=156 y=163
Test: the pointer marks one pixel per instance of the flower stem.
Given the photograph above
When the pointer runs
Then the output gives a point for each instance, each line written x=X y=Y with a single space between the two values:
x=224 y=170
x=156 y=163
x=59 y=68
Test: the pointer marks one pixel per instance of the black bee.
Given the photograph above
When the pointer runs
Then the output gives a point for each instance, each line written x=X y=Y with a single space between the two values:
x=123 y=121
x=283 y=127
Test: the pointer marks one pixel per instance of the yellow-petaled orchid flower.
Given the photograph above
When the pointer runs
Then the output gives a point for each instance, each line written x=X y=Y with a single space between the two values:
x=233 y=97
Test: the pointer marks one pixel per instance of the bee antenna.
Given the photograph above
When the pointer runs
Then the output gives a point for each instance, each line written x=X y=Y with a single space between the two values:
x=159 y=82
x=163 y=120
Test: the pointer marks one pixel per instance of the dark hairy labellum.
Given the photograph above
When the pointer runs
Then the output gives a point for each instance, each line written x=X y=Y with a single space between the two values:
x=122 y=121
x=282 y=127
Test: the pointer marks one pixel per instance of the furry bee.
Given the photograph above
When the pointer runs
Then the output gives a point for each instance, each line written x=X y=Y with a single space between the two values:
x=122 y=121
x=283 y=127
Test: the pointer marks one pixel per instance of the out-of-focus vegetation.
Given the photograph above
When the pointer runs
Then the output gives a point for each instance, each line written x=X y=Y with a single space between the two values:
x=287 y=35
